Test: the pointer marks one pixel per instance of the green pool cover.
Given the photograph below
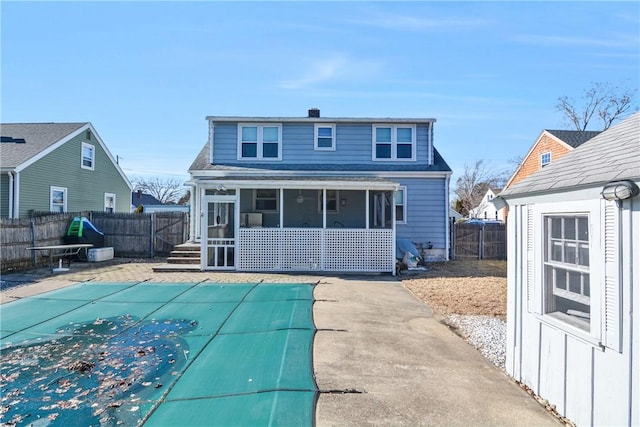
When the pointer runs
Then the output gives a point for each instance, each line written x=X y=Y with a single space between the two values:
x=177 y=354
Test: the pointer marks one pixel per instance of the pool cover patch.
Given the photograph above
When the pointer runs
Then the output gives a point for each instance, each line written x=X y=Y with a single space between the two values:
x=242 y=357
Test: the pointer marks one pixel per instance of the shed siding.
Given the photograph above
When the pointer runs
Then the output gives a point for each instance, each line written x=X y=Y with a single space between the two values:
x=353 y=144
x=4 y=195
x=85 y=188
x=588 y=383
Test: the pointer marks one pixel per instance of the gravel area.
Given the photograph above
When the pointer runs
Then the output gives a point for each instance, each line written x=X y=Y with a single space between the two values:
x=471 y=297
x=487 y=334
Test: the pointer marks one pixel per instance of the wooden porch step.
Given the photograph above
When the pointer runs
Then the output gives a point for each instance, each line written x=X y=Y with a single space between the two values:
x=185 y=254
x=184 y=260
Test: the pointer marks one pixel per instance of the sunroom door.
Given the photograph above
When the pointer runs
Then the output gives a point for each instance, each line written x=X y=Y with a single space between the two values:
x=218 y=231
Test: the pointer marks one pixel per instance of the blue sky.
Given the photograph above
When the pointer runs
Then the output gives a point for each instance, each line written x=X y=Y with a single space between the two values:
x=147 y=74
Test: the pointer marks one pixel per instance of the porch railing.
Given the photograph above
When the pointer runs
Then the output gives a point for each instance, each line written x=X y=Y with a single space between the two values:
x=316 y=249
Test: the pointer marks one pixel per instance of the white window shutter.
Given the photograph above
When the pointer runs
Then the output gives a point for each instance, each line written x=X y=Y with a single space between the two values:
x=612 y=292
x=533 y=297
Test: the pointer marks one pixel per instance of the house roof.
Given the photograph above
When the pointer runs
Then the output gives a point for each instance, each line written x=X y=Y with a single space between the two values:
x=612 y=155
x=201 y=163
x=143 y=199
x=252 y=119
x=22 y=141
x=574 y=138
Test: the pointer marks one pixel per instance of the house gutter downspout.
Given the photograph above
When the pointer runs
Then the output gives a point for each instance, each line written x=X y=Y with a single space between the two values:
x=447 y=226
x=11 y=181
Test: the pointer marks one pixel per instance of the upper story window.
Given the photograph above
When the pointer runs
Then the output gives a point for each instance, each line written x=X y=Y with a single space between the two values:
x=566 y=269
x=57 y=199
x=394 y=142
x=324 y=137
x=545 y=159
x=260 y=142
x=88 y=156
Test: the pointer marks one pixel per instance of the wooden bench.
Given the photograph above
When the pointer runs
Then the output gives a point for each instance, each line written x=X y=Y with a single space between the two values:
x=61 y=252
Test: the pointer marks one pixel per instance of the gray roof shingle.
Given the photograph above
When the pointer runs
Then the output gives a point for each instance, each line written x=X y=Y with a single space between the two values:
x=612 y=155
x=574 y=138
x=37 y=137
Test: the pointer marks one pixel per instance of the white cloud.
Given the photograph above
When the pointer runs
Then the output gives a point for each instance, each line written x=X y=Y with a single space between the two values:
x=329 y=68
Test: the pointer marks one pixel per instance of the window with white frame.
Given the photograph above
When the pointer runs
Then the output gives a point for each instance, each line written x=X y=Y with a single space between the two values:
x=545 y=159
x=324 y=137
x=109 y=202
x=57 y=199
x=400 y=198
x=332 y=201
x=265 y=200
x=88 y=156
x=394 y=142
x=260 y=141
x=566 y=275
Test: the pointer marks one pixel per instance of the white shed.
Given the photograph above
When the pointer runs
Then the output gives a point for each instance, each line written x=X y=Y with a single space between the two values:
x=573 y=279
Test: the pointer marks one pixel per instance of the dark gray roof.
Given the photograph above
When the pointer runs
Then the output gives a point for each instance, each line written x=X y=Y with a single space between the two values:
x=37 y=137
x=612 y=155
x=201 y=163
x=143 y=199
x=574 y=138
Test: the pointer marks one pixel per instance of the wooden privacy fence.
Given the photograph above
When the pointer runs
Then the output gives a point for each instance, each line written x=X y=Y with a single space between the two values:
x=481 y=241
x=131 y=235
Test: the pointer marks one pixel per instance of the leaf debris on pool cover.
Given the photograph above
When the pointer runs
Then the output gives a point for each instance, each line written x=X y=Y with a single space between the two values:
x=97 y=372
x=239 y=354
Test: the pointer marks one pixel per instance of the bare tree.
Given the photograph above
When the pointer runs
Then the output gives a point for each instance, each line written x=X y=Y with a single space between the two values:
x=166 y=190
x=601 y=100
x=473 y=185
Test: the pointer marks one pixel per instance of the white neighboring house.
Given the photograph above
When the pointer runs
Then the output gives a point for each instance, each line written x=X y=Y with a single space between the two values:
x=486 y=210
x=573 y=279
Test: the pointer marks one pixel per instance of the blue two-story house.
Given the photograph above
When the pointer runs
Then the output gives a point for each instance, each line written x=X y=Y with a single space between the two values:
x=317 y=194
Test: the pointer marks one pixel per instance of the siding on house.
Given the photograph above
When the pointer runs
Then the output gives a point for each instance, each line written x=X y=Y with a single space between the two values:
x=546 y=144
x=426 y=211
x=4 y=195
x=85 y=188
x=353 y=144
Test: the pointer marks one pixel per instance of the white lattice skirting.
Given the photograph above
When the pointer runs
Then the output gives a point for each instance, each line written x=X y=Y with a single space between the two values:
x=312 y=249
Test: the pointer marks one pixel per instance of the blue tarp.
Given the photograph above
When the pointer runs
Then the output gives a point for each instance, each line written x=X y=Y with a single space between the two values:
x=405 y=245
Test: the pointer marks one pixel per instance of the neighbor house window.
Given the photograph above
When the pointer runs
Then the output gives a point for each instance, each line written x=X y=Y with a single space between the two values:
x=109 y=202
x=401 y=203
x=88 y=156
x=260 y=142
x=545 y=159
x=57 y=199
x=566 y=278
x=324 y=137
x=332 y=201
x=265 y=200
x=394 y=142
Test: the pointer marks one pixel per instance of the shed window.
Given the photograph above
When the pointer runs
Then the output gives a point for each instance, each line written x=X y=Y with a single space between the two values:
x=566 y=276
x=57 y=199
x=88 y=156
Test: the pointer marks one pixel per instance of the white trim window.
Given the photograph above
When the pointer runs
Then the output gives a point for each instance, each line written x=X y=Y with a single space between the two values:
x=545 y=159
x=259 y=141
x=57 y=199
x=88 y=156
x=109 y=202
x=394 y=142
x=324 y=137
x=400 y=199
x=265 y=200
x=566 y=276
x=333 y=198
